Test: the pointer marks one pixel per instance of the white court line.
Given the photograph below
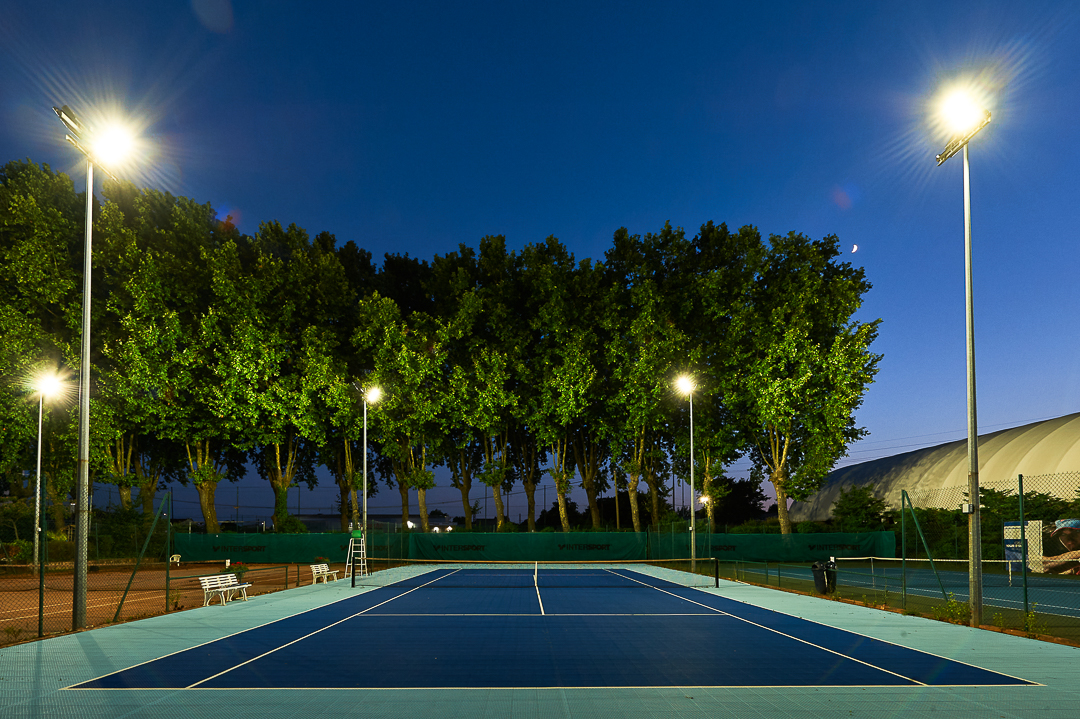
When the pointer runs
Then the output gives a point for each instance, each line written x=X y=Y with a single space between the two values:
x=542 y=613
x=879 y=639
x=775 y=631
x=75 y=687
x=249 y=661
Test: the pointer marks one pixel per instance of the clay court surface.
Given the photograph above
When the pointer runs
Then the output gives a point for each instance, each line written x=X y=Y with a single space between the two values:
x=20 y=594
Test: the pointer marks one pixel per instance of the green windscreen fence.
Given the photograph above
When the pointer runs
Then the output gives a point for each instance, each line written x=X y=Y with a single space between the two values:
x=774 y=547
x=539 y=547
x=536 y=547
x=266 y=548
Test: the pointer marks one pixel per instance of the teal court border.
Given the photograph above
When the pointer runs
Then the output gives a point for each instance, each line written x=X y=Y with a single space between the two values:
x=33 y=675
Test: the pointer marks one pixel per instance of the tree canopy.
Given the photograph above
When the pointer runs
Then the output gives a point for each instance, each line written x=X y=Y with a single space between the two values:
x=213 y=349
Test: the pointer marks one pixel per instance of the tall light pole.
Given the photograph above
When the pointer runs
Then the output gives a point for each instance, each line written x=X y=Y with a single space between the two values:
x=966 y=118
x=370 y=397
x=686 y=386
x=108 y=144
x=47 y=385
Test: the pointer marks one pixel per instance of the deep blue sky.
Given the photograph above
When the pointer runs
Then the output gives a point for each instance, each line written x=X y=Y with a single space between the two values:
x=415 y=126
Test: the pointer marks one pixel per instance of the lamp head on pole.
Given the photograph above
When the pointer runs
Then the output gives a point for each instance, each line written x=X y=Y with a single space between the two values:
x=685 y=385
x=964 y=116
x=107 y=146
x=373 y=395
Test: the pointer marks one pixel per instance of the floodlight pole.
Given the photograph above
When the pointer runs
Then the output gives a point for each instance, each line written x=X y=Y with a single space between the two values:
x=364 y=524
x=693 y=520
x=82 y=507
x=975 y=581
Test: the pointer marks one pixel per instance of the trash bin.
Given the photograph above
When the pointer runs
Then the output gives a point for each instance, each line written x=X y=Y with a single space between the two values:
x=830 y=576
x=818 y=568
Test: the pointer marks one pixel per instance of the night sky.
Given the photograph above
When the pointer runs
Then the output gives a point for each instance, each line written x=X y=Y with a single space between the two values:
x=416 y=126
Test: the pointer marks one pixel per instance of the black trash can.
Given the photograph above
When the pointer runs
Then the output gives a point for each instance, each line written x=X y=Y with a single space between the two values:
x=824 y=577
x=818 y=568
x=830 y=576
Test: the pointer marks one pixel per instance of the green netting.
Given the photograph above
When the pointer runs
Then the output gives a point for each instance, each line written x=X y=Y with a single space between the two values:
x=774 y=547
x=538 y=547
x=262 y=548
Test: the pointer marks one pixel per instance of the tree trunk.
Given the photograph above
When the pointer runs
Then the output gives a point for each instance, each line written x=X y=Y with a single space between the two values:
x=465 y=486
x=281 y=478
x=125 y=496
x=500 y=518
x=585 y=454
x=206 y=504
x=631 y=490
x=562 y=510
x=530 y=495
x=782 y=508
x=421 y=497
x=59 y=502
x=403 y=490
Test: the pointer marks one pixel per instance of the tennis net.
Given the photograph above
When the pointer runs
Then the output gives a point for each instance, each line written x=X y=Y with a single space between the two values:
x=888 y=572
x=446 y=574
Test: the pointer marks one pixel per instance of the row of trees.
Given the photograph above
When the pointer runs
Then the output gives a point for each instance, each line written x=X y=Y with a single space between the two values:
x=212 y=349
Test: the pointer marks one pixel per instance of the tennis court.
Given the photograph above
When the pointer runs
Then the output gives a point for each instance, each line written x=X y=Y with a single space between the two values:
x=529 y=641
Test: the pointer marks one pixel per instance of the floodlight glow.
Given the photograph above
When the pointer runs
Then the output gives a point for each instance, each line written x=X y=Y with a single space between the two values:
x=373 y=395
x=411 y=525
x=112 y=145
x=49 y=385
x=449 y=529
x=684 y=384
x=960 y=112
x=704 y=499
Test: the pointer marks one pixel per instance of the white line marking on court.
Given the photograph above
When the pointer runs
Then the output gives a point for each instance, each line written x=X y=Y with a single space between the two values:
x=317 y=631
x=775 y=631
x=542 y=613
x=878 y=639
x=211 y=641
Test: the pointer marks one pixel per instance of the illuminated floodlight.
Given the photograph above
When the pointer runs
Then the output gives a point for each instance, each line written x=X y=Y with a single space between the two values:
x=411 y=525
x=373 y=395
x=704 y=499
x=49 y=384
x=449 y=529
x=962 y=114
x=113 y=145
x=684 y=384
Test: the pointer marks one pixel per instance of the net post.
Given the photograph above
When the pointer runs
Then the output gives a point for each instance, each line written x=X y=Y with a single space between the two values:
x=716 y=572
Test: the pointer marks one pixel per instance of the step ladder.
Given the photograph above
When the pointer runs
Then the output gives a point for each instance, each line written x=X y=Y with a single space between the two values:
x=356 y=562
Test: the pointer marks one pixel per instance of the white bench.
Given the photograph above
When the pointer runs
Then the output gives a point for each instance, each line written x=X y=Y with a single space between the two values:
x=322 y=571
x=224 y=585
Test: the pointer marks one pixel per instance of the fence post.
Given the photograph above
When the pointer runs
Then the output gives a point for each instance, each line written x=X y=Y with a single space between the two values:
x=903 y=550
x=926 y=546
x=149 y=535
x=168 y=550
x=1023 y=548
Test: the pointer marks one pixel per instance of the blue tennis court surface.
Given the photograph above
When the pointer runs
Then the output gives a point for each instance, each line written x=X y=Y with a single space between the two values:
x=508 y=629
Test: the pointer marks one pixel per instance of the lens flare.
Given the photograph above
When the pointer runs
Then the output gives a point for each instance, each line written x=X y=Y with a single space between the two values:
x=684 y=384
x=960 y=111
x=113 y=145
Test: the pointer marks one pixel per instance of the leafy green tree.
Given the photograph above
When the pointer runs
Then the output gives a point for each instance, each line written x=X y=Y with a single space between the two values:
x=858 y=510
x=802 y=364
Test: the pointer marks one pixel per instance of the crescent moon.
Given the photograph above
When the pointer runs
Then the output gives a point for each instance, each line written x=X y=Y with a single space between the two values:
x=854 y=248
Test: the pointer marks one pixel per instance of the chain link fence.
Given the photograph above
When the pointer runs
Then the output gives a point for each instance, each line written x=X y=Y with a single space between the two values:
x=1030 y=556
x=132 y=573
